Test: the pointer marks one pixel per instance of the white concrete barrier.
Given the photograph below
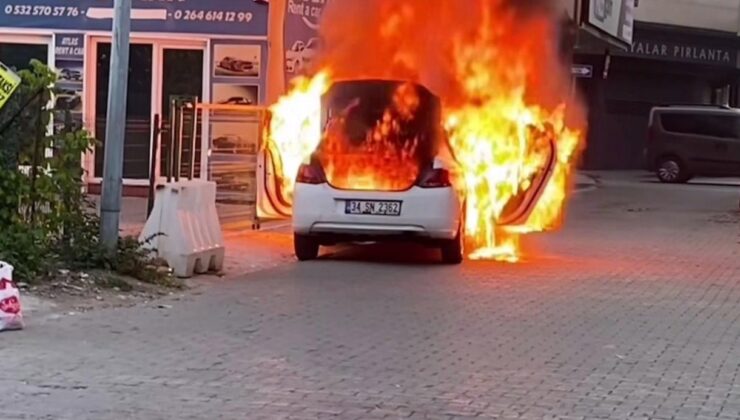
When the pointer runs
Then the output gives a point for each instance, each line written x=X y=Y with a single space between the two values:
x=184 y=229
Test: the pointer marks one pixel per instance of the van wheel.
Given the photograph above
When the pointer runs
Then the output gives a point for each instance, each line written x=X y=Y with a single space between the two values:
x=672 y=171
x=452 y=250
x=306 y=248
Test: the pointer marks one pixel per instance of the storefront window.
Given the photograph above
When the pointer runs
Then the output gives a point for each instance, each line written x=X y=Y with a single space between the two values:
x=19 y=56
x=182 y=75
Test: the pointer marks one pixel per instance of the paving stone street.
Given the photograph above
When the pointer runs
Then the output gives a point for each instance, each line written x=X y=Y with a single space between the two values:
x=631 y=311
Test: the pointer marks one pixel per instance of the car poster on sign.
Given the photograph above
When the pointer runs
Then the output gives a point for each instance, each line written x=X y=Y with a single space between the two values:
x=301 y=37
x=9 y=82
x=69 y=57
x=237 y=60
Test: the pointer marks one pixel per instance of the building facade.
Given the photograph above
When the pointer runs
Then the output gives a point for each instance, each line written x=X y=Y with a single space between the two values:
x=683 y=52
x=212 y=50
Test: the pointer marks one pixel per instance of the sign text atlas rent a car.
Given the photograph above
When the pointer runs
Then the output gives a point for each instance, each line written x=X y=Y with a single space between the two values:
x=70 y=47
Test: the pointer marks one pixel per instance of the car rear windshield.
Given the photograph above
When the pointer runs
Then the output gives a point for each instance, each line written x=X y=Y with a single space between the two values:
x=377 y=129
x=364 y=103
x=713 y=125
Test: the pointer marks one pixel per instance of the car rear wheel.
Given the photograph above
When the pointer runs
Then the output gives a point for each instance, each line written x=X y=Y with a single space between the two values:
x=306 y=248
x=672 y=171
x=452 y=250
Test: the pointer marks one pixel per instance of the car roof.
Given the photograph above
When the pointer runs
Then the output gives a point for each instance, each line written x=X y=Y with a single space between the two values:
x=693 y=109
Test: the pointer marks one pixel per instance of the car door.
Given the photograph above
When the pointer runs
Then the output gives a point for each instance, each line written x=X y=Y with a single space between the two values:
x=520 y=207
x=686 y=134
x=273 y=202
x=721 y=143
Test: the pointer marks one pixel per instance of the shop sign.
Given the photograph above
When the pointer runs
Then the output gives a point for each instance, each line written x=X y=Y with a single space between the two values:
x=613 y=18
x=301 y=34
x=9 y=82
x=69 y=47
x=684 y=52
x=218 y=17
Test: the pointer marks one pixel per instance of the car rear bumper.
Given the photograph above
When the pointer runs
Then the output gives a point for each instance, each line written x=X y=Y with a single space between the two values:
x=425 y=213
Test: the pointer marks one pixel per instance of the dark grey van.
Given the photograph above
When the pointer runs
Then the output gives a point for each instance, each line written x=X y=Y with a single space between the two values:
x=686 y=141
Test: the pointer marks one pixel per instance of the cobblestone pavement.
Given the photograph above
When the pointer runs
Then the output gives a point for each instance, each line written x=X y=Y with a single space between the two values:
x=631 y=311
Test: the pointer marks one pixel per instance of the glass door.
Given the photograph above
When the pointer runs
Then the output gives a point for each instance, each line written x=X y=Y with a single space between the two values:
x=138 y=124
x=158 y=70
x=182 y=75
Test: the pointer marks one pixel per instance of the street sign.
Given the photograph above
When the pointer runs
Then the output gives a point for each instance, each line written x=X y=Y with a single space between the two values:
x=9 y=82
x=582 y=70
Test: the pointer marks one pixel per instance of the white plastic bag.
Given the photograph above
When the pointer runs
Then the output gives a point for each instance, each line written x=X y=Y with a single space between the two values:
x=11 y=316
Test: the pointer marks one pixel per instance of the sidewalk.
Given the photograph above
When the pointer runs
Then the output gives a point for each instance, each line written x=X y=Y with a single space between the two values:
x=254 y=250
x=246 y=250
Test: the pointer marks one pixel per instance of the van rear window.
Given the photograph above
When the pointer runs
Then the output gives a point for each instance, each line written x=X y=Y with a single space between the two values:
x=703 y=125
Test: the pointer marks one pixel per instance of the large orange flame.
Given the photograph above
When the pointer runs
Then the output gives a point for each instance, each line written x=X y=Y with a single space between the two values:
x=384 y=160
x=507 y=108
x=295 y=128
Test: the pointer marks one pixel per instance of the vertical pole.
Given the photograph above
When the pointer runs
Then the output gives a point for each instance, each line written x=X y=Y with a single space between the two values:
x=574 y=47
x=171 y=141
x=178 y=141
x=156 y=133
x=276 y=83
x=193 y=138
x=110 y=207
x=37 y=142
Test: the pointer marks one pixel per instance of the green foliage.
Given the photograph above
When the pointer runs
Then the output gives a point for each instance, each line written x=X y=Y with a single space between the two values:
x=46 y=220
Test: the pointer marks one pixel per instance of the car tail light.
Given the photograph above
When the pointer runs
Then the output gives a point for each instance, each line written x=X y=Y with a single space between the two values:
x=310 y=174
x=435 y=178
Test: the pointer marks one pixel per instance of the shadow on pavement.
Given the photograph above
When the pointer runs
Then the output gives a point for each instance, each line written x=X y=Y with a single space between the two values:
x=403 y=253
x=732 y=183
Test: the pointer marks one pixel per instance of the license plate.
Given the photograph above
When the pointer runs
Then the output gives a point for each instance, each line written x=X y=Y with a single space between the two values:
x=373 y=208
